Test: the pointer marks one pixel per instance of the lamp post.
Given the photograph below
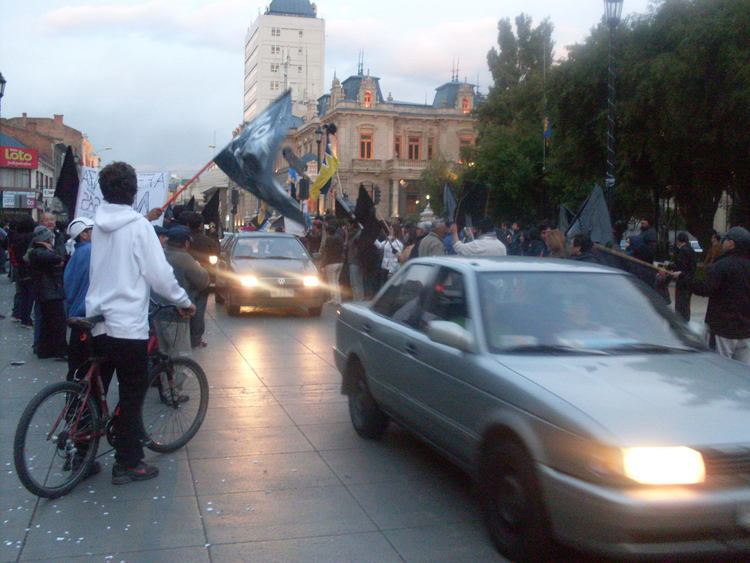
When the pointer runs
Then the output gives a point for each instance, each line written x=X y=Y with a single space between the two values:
x=318 y=140
x=612 y=15
x=3 y=82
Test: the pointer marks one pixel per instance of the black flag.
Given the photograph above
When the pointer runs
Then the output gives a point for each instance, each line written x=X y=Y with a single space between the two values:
x=211 y=209
x=364 y=211
x=249 y=159
x=343 y=208
x=190 y=204
x=593 y=219
x=66 y=189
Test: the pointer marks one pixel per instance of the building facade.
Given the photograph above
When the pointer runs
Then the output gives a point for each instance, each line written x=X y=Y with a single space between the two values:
x=387 y=143
x=284 y=48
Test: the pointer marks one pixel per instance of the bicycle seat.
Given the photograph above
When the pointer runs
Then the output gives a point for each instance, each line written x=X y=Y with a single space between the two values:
x=84 y=323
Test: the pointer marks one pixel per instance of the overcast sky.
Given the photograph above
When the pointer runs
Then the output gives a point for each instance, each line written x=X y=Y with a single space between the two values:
x=156 y=80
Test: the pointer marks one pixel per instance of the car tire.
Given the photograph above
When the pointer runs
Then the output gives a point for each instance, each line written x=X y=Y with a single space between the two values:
x=232 y=309
x=314 y=311
x=511 y=503
x=367 y=418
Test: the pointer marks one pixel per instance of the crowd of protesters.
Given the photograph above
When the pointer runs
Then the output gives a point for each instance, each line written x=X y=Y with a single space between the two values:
x=49 y=265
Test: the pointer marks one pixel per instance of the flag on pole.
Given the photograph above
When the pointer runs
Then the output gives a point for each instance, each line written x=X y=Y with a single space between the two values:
x=593 y=219
x=326 y=173
x=249 y=159
x=66 y=189
x=190 y=204
x=211 y=210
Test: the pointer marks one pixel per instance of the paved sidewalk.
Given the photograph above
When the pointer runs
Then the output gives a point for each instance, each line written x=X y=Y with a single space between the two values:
x=275 y=474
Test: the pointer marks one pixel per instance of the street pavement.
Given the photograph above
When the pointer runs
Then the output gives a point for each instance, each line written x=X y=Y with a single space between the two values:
x=276 y=472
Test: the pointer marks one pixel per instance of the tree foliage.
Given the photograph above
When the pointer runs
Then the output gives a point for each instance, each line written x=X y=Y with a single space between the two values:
x=683 y=125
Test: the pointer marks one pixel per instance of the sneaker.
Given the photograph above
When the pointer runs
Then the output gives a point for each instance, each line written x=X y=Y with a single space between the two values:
x=95 y=468
x=122 y=475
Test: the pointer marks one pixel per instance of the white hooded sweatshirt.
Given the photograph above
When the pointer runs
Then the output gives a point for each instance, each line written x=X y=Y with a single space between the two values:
x=127 y=261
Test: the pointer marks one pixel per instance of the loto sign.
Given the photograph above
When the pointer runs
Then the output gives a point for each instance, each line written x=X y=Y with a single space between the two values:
x=16 y=157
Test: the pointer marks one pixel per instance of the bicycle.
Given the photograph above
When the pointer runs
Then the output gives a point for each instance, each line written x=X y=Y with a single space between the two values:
x=70 y=417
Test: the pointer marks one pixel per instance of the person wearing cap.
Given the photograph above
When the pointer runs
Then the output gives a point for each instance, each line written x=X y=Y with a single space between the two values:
x=162 y=233
x=127 y=262
x=76 y=284
x=47 y=283
x=190 y=275
x=727 y=286
x=486 y=245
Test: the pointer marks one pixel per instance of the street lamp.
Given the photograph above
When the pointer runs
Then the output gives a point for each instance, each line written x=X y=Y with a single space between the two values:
x=612 y=15
x=318 y=139
x=3 y=82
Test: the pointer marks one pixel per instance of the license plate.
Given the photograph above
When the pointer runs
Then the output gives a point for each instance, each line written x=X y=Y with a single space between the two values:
x=282 y=293
x=743 y=516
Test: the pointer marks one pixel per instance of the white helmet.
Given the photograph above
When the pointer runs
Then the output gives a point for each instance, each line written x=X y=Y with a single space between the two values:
x=78 y=225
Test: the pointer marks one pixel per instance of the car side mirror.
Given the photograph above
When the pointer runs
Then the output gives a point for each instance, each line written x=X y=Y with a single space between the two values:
x=451 y=334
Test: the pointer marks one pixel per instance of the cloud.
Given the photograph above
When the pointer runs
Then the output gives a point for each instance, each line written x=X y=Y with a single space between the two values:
x=212 y=24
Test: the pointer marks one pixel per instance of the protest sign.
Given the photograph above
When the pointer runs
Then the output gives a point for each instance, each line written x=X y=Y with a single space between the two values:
x=152 y=192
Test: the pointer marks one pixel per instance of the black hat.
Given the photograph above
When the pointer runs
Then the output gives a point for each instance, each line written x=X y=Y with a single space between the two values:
x=178 y=233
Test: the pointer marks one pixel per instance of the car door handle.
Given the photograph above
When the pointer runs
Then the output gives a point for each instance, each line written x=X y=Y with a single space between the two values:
x=411 y=349
x=366 y=328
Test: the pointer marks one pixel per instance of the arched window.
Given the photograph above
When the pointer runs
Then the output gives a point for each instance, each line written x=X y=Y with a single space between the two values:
x=368 y=99
x=465 y=105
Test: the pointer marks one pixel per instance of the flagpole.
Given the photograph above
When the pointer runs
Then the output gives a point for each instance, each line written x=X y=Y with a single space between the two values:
x=186 y=185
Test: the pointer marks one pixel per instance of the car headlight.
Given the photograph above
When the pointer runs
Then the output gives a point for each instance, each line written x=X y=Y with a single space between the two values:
x=249 y=281
x=311 y=281
x=213 y=260
x=664 y=466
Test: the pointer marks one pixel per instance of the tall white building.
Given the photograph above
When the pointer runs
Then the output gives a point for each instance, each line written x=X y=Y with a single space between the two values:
x=284 y=48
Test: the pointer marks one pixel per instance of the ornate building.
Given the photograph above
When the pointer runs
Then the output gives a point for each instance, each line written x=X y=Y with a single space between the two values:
x=387 y=143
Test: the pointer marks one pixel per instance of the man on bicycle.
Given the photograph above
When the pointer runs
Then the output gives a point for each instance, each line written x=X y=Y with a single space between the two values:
x=127 y=261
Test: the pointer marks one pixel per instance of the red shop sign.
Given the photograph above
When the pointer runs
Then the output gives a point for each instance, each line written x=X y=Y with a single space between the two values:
x=16 y=157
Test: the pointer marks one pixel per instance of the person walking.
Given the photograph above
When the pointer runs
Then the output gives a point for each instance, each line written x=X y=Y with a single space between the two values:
x=201 y=247
x=190 y=274
x=685 y=262
x=47 y=282
x=23 y=301
x=432 y=244
x=127 y=261
x=487 y=244
x=76 y=285
x=727 y=286
x=332 y=260
x=391 y=247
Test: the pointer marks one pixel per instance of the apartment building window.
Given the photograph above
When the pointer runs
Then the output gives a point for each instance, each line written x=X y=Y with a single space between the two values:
x=275 y=85
x=274 y=67
x=301 y=33
x=430 y=148
x=465 y=107
x=365 y=146
x=464 y=142
x=414 y=143
x=275 y=32
x=299 y=69
x=368 y=99
x=299 y=51
x=275 y=49
x=397 y=147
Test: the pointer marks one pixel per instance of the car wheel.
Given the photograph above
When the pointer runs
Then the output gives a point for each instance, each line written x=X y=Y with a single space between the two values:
x=315 y=311
x=513 y=509
x=232 y=309
x=367 y=418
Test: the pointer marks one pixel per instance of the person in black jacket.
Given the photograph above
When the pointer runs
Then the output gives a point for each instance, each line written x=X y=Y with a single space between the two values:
x=685 y=262
x=47 y=281
x=582 y=250
x=23 y=301
x=727 y=286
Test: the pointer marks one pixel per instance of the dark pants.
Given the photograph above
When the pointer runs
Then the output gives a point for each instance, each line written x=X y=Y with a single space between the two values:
x=198 y=321
x=78 y=352
x=51 y=342
x=129 y=358
x=23 y=301
x=682 y=303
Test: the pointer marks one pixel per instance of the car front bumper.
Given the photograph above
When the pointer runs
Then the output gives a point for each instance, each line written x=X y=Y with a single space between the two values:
x=301 y=297
x=647 y=522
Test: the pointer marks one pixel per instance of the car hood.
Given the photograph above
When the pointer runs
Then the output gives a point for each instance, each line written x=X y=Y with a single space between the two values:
x=264 y=268
x=690 y=399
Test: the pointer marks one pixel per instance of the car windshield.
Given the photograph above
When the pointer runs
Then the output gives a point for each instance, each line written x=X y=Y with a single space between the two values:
x=562 y=312
x=268 y=248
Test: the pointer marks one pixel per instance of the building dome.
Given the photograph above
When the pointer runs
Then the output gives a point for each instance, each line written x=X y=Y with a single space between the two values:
x=301 y=8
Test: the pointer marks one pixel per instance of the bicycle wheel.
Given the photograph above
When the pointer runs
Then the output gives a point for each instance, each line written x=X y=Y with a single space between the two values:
x=56 y=440
x=175 y=404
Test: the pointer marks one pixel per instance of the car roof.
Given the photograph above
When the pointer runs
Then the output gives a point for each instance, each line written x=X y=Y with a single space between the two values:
x=264 y=234
x=518 y=264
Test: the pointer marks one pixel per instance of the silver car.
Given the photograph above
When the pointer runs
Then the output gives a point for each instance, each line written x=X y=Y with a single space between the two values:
x=586 y=410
